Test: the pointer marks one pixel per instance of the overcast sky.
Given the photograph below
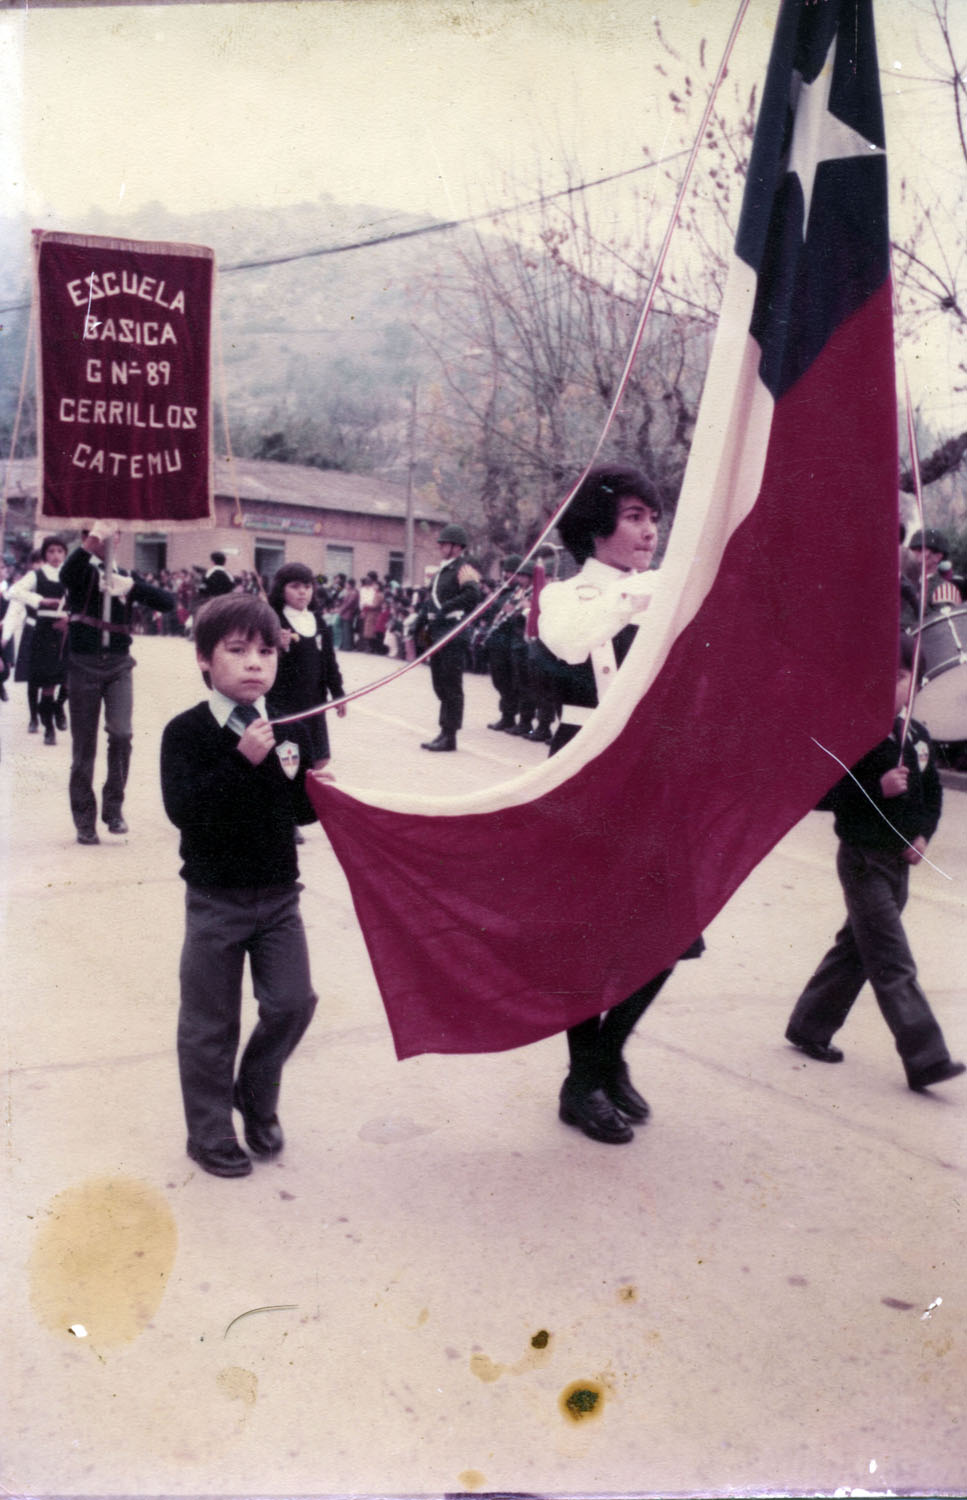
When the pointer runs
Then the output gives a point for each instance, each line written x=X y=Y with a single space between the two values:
x=416 y=106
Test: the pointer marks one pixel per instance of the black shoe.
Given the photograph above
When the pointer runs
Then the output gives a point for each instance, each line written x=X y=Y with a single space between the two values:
x=50 y=737
x=60 y=720
x=591 y=1110
x=543 y=736
x=87 y=836
x=936 y=1073
x=521 y=730
x=227 y=1159
x=821 y=1051
x=33 y=726
x=116 y=824
x=263 y=1137
x=505 y=724
x=442 y=742
x=624 y=1096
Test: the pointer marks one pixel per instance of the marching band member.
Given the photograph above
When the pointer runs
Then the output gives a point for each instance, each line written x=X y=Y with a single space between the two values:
x=503 y=653
x=588 y=623
x=929 y=550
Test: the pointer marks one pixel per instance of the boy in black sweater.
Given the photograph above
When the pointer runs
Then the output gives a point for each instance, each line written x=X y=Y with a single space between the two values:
x=886 y=811
x=236 y=789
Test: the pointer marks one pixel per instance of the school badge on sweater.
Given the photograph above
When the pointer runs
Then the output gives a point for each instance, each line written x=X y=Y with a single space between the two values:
x=288 y=753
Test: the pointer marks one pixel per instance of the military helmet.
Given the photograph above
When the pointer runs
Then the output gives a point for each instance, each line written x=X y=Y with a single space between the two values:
x=453 y=533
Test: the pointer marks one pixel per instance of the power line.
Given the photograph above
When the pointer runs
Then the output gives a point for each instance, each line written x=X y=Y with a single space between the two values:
x=448 y=224
x=439 y=227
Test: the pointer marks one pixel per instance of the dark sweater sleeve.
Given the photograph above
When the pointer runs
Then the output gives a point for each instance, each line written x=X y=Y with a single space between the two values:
x=150 y=595
x=197 y=787
x=932 y=797
x=866 y=818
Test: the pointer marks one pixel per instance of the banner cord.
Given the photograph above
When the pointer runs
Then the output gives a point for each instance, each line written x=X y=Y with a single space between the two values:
x=609 y=419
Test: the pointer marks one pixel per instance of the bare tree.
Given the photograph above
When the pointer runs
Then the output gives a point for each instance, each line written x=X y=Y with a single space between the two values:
x=930 y=261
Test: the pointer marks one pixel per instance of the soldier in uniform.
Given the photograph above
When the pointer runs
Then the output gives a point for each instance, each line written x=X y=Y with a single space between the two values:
x=505 y=624
x=454 y=592
x=928 y=552
x=587 y=624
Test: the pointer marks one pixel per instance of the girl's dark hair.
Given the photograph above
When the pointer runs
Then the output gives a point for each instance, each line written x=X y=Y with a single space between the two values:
x=50 y=541
x=594 y=510
x=247 y=614
x=292 y=572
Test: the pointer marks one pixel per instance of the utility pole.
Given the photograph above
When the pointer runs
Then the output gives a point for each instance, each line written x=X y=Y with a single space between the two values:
x=408 y=578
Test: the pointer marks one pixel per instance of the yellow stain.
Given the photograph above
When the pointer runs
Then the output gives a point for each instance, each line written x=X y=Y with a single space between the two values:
x=101 y=1260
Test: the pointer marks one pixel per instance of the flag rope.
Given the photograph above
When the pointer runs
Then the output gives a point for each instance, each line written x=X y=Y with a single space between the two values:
x=635 y=345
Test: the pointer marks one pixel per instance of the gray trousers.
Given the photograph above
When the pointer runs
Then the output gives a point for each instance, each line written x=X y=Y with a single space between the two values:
x=872 y=946
x=93 y=680
x=221 y=927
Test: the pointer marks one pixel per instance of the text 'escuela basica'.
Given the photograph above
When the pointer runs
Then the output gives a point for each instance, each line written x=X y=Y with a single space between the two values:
x=127 y=389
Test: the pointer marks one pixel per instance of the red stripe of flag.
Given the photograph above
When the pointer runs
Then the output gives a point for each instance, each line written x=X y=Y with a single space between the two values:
x=492 y=921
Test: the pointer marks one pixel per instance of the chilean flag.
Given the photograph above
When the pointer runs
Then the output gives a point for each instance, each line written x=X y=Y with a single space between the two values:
x=767 y=658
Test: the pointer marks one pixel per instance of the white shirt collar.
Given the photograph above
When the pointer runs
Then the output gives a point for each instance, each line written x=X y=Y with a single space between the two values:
x=602 y=572
x=223 y=707
x=303 y=619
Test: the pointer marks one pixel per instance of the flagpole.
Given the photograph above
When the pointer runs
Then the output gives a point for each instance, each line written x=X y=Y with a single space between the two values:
x=918 y=499
x=106 y=590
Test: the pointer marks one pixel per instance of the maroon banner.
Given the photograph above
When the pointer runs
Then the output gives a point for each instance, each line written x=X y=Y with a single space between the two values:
x=123 y=380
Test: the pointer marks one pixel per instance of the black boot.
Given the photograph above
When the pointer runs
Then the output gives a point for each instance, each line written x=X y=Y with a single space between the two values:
x=47 y=719
x=623 y=1094
x=443 y=741
x=591 y=1111
x=34 y=724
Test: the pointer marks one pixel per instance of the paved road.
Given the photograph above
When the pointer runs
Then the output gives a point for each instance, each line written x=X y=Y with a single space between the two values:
x=765 y=1291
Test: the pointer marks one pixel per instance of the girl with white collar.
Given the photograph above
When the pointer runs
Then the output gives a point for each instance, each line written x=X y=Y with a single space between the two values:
x=308 y=672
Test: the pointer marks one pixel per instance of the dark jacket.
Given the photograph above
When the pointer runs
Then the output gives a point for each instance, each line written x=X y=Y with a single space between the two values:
x=237 y=820
x=81 y=577
x=454 y=592
x=863 y=815
x=308 y=672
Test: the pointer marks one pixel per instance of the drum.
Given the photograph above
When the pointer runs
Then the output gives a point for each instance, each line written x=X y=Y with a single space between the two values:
x=942 y=698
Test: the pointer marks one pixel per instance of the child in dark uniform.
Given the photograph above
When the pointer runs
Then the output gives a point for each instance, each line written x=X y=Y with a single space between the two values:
x=236 y=789
x=308 y=671
x=886 y=809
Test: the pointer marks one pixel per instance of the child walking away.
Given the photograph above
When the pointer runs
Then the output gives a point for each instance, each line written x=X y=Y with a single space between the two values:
x=886 y=811
x=235 y=787
x=308 y=671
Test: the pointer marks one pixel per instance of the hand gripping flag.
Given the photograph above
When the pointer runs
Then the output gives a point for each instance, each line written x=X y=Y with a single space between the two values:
x=496 y=919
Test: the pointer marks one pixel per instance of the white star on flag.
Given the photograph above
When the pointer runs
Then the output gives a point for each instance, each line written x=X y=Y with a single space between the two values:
x=817 y=135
